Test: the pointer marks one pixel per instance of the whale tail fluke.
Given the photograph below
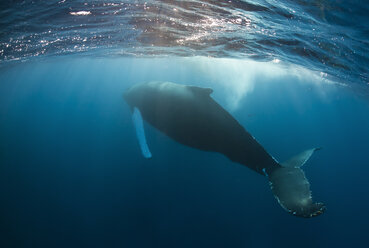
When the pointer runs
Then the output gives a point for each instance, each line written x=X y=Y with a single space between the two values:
x=292 y=189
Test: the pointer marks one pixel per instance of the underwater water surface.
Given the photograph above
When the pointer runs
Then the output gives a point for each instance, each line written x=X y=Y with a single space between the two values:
x=293 y=73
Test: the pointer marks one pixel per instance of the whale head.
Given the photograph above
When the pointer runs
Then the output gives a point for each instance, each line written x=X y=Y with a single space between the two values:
x=134 y=95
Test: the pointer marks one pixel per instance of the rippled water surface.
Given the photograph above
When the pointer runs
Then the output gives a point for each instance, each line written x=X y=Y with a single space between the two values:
x=330 y=36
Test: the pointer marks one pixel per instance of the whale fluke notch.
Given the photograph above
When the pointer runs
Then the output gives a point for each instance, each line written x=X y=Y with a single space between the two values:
x=292 y=189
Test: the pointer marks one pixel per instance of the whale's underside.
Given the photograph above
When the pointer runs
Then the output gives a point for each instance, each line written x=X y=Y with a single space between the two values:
x=190 y=116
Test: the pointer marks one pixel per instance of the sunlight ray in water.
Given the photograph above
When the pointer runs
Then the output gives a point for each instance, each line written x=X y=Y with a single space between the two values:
x=236 y=78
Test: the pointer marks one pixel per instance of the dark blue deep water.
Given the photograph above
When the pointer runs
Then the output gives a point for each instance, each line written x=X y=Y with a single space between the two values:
x=293 y=73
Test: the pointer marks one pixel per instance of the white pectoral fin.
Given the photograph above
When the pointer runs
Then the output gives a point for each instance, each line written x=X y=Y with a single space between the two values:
x=140 y=132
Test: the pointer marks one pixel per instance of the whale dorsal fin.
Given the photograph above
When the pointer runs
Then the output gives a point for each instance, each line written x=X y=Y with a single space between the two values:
x=200 y=90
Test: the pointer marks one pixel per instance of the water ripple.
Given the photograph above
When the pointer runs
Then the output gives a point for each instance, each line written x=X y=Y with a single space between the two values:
x=330 y=36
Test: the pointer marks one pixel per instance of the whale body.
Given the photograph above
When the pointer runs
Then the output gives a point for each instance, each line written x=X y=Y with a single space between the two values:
x=190 y=116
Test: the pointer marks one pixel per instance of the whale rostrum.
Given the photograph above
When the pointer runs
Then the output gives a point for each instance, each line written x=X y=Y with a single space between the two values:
x=190 y=116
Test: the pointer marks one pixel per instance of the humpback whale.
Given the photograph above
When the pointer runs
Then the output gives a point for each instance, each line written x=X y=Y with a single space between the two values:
x=190 y=116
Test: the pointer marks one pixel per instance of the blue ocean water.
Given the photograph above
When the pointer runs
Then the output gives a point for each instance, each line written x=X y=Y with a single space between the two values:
x=293 y=73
